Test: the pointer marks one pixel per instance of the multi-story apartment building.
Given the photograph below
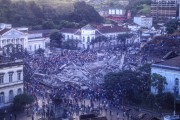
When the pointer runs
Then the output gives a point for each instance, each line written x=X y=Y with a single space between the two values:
x=164 y=9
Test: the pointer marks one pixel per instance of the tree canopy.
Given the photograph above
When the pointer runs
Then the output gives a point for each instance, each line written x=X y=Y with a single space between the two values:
x=158 y=82
x=56 y=39
x=31 y=14
x=22 y=100
x=70 y=44
x=84 y=12
x=126 y=85
x=139 y=6
x=172 y=26
x=122 y=37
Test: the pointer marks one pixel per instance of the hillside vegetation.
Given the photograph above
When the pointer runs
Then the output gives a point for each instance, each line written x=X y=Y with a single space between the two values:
x=31 y=14
x=64 y=6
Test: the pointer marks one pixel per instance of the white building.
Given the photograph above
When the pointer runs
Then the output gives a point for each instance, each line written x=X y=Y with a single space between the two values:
x=171 y=70
x=116 y=11
x=171 y=117
x=112 y=11
x=29 y=41
x=89 y=32
x=144 y=21
x=11 y=81
x=35 y=41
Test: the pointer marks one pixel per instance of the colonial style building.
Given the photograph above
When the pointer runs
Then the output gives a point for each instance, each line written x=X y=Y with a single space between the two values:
x=29 y=41
x=89 y=32
x=170 y=69
x=11 y=81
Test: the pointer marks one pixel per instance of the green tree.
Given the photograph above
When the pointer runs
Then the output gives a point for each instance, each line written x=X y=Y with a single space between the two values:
x=172 y=26
x=165 y=100
x=40 y=51
x=70 y=44
x=158 y=82
x=99 y=40
x=84 y=12
x=56 y=39
x=20 y=101
x=122 y=38
x=48 y=25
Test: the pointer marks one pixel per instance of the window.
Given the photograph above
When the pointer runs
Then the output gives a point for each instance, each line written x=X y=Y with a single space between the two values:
x=13 y=40
x=39 y=46
x=1 y=78
x=71 y=36
x=19 y=91
x=17 y=41
x=176 y=82
x=88 y=39
x=8 y=40
x=30 y=47
x=3 y=41
x=83 y=39
x=2 y=97
x=67 y=36
x=10 y=76
x=11 y=96
x=34 y=47
x=19 y=75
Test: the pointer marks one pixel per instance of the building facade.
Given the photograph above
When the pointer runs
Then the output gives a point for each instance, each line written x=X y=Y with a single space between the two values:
x=144 y=21
x=170 y=69
x=164 y=9
x=89 y=32
x=29 y=41
x=11 y=81
x=35 y=41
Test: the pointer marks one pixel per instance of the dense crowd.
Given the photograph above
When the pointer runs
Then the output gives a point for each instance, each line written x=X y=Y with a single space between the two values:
x=52 y=63
x=75 y=100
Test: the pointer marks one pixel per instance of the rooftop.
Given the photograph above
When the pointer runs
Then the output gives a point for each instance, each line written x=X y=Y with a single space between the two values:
x=173 y=63
x=4 y=31
x=69 y=30
x=99 y=29
x=112 y=29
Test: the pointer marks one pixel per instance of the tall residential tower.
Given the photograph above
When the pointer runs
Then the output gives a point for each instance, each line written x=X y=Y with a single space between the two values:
x=164 y=9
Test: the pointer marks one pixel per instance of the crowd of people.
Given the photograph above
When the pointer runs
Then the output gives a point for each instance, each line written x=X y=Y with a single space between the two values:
x=52 y=63
x=75 y=100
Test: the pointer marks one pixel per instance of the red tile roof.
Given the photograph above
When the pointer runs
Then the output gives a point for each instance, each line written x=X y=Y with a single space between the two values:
x=99 y=29
x=4 y=31
x=69 y=30
x=112 y=29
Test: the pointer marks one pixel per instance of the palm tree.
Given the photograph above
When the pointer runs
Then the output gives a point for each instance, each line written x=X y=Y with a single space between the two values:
x=158 y=82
